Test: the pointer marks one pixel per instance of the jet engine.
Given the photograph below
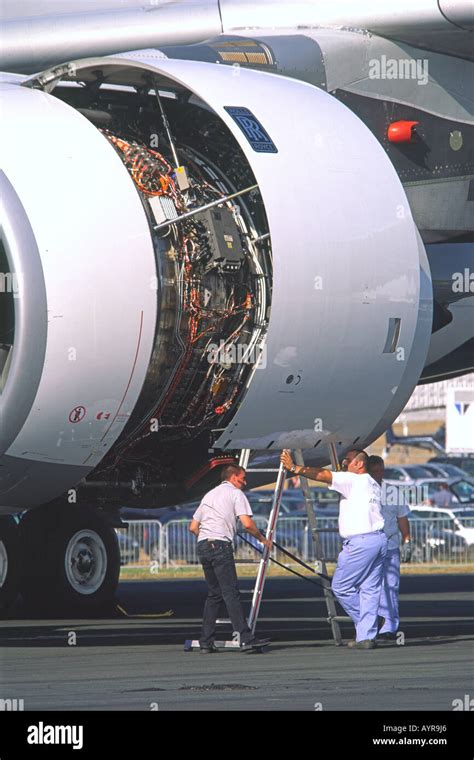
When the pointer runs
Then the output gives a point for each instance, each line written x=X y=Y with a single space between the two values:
x=195 y=259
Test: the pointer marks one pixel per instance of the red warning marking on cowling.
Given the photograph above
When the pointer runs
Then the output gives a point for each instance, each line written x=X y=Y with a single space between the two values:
x=77 y=414
x=102 y=416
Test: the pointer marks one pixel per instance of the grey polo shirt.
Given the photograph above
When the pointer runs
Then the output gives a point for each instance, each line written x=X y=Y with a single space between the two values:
x=442 y=498
x=219 y=510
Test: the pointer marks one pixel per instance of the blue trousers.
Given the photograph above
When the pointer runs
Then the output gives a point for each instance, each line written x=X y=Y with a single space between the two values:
x=388 y=608
x=357 y=581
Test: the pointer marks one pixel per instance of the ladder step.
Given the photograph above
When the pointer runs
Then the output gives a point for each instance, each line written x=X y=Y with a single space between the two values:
x=340 y=619
x=259 y=469
x=191 y=644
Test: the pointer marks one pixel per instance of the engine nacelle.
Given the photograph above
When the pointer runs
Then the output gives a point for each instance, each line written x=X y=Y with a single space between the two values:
x=156 y=316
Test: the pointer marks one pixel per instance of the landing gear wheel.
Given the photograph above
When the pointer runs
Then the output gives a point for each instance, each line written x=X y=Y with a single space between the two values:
x=73 y=562
x=10 y=563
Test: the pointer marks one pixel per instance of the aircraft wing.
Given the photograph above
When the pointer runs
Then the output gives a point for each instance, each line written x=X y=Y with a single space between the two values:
x=35 y=37
x=444 y=27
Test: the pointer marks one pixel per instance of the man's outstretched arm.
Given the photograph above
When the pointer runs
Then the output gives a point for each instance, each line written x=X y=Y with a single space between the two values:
x=323 y=476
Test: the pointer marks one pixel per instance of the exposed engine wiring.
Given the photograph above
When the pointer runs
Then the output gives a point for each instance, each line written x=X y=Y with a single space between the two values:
x=199 y=388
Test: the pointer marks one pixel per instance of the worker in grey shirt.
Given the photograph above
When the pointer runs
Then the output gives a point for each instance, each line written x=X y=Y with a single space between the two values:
x=395 y=513
x=442 y=497
x=215 y=523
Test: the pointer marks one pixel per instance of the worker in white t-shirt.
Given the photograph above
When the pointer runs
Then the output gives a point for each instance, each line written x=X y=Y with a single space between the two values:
x=357 y=581
x=395 y=511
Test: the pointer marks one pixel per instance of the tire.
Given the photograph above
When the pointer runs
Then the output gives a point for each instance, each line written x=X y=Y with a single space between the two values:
x=72 y=561
x=10 y=563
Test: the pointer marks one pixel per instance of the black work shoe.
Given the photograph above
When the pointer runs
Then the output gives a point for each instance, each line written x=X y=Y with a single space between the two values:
x=364 y=644
x=208 y=650
x=387 y=636
x=254 y=644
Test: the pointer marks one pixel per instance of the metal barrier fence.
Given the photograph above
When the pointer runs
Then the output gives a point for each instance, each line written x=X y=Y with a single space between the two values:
x=149 y=543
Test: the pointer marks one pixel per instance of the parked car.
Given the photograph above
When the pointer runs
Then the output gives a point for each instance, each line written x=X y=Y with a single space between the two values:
x=147 y=532
x=465 y=463
x=452 y=519
x=462 y=490
x=180 y=512
x=320 y=497
x=444 y=470
x=431 y=540
x=261 y=503
x=405 y=473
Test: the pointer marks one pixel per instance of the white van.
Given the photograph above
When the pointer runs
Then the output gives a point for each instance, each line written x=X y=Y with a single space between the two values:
x=459 y=520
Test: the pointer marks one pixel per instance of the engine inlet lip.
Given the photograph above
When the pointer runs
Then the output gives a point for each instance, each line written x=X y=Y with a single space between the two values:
x=30 y=314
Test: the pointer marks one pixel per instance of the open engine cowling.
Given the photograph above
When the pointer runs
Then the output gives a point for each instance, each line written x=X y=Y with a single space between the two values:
x=296 y=314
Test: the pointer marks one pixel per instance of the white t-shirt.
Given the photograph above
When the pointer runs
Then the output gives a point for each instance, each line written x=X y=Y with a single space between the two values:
x=359 y=509
x=393 y=506
x=219 y=510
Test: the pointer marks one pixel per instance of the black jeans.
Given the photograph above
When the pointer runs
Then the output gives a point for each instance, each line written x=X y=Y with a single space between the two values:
x=217 y=559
